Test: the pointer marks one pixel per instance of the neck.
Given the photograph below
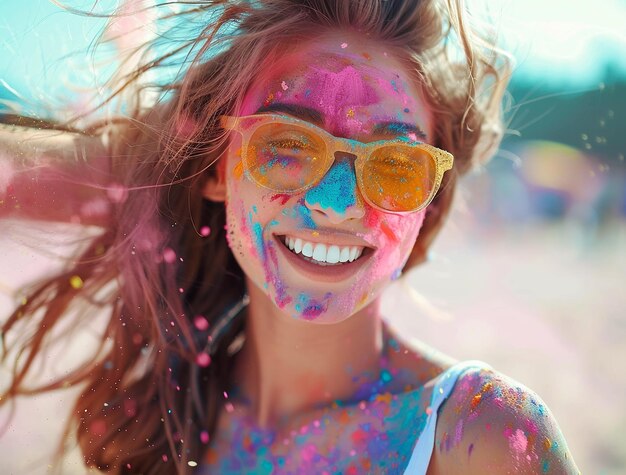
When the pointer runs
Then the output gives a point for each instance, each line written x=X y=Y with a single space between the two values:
x=288 y=367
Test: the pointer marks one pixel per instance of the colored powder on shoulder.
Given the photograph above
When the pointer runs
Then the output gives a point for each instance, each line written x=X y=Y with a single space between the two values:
x=518 y=441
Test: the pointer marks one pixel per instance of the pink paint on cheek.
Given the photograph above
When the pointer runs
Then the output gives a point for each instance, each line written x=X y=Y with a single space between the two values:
x=372 y=218
x=281 y=299
x=388 y=232
x=246 y=236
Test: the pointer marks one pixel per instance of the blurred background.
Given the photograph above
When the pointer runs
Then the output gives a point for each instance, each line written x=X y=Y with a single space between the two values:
x=529 y=273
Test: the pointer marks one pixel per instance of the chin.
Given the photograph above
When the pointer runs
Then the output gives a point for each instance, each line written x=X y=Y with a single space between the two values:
x=322 y=307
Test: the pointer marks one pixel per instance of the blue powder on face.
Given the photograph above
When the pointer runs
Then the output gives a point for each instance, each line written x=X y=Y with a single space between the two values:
x=304 y=214
x=301 y=213
x=336 y=190
x=257 y=230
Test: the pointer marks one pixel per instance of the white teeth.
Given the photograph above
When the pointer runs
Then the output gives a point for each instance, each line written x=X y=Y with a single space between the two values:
x=355 y=252
x=345 y=254
x=332 y=256
x=298 y=246
x=324 y=253
x=319 y=253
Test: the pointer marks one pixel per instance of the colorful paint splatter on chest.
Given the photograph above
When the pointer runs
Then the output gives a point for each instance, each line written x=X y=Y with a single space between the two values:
x=375 y=435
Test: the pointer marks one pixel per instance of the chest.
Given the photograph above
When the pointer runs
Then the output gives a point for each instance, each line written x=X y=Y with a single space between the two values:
x=374 y=436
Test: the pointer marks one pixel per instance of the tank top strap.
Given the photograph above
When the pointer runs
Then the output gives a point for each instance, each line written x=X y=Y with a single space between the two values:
x=444 y=383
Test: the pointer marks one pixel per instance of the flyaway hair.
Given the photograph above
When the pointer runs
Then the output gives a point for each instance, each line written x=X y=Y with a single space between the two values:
x=150 y=397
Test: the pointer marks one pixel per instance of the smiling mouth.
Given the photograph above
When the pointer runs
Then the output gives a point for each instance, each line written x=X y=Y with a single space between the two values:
x=323 y=254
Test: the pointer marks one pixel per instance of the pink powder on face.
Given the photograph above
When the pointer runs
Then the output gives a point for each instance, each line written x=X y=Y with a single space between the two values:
x=282 y=197
x=517 y=441
x=339 y=83
x=311 y=313
x=394 y=87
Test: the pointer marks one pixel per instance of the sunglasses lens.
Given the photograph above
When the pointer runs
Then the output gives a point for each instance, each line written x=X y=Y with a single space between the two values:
x=285 y=157
x=399 y=178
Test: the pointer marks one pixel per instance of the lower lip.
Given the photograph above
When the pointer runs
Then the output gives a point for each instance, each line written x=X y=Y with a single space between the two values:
x=329 y=273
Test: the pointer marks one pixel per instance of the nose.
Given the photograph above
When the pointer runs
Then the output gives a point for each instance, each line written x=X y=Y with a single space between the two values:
x=336 y=195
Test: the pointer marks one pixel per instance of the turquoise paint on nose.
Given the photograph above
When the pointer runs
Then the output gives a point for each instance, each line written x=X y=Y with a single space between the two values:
x=337 y=190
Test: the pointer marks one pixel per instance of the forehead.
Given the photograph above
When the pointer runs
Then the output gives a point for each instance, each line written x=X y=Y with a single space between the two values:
x=352 y=84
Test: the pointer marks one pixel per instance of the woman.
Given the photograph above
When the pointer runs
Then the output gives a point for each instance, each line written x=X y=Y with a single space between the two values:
x=251 y=222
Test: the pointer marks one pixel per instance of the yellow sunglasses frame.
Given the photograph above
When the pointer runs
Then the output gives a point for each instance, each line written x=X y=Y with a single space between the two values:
x=247 y=125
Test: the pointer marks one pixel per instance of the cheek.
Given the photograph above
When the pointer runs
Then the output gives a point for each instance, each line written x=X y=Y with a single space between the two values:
x=396 y=235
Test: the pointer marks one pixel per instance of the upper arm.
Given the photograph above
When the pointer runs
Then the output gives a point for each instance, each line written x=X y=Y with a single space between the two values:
x=53 y=175
x=492 y=424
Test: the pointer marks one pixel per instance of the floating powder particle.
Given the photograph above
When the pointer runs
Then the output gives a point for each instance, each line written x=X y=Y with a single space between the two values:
x=76 y=282
x=203 y=360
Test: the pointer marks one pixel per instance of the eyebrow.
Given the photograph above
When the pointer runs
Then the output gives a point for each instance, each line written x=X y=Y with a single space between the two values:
x=300 y=112
x=399 y=128
x=314 y=116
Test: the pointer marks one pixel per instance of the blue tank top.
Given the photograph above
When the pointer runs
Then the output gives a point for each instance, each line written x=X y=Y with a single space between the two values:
x=444 y=383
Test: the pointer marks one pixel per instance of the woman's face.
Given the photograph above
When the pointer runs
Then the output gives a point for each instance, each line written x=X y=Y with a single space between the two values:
x=352 y=89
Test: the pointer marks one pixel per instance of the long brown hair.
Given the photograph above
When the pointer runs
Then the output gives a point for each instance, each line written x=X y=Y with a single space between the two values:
x=148 y=406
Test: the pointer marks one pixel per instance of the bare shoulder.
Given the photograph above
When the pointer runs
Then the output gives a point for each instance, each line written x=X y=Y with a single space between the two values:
x=493 y=424
x=417 y=362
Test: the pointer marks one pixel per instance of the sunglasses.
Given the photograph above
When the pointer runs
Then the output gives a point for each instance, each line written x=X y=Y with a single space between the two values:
x=288 y=155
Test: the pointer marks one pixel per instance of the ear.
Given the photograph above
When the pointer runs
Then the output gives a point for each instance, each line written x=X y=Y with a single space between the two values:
x=215 y=187
x=436 y=214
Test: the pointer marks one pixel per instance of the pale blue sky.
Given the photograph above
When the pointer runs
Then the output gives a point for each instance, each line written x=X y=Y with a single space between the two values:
x=556 y=43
